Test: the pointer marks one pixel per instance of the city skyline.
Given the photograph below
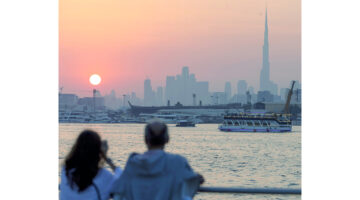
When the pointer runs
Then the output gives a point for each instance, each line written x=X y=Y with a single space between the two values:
x=219 y=43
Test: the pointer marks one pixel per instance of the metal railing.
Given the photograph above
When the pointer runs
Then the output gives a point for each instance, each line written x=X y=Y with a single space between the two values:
x=282 y=191
x=251 y=190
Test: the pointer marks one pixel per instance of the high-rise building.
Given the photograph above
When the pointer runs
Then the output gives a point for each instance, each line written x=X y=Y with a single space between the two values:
x=185 y=72
x=228 y=90
x=170 y=89
x=283 y=93
x=182 y=87
x=251 y=90
x=241 y=87
x=265 y=83
x=265 y=96
x=111 y=101
x=159 y=96
x=296 y=96
x=202 y=92
x=148 y=93
x=68 y=100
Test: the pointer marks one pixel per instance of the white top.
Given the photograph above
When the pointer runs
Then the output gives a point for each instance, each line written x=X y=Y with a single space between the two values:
x=103 y=180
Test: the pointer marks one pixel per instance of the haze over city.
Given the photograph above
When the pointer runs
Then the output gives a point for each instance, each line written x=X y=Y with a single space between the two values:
x=126 y=42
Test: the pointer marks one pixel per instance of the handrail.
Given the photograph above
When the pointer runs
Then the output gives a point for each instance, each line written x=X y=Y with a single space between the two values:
x=285 y=191
x=251 y=190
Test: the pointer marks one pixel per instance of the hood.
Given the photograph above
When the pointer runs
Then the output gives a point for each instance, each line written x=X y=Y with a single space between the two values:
x=150 y=163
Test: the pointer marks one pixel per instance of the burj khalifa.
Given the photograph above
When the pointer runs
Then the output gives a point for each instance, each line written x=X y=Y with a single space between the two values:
x=265 y=83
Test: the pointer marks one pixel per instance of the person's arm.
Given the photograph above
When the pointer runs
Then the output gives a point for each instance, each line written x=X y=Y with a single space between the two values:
x=104 y=150
x=192 y=181
x=110 y=163
x=201 y=179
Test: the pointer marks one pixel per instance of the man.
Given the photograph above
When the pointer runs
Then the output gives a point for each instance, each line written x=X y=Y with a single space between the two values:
x=156 y=175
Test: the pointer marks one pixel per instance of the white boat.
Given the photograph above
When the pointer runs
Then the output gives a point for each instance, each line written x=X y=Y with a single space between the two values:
x=248 y=122
x=260 y=122
x=166 y=118
x=185 y=123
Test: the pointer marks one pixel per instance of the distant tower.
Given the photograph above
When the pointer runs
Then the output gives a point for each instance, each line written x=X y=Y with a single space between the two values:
x=159 y=96
x=228 y=90
x=248 y=97
x=185 y=72
x=265 y=71
x=241 y=87
x=148 y=93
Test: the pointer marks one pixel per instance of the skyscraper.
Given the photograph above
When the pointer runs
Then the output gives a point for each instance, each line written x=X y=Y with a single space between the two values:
x=148 y=93
x=265 y=83
x=159 y=96
x=180 y=88
x=170 y=90
x=265 y=71
x=228 y=90
x=241 y=87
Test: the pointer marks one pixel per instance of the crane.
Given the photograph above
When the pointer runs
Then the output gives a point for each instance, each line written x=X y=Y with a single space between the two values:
x=287 y=104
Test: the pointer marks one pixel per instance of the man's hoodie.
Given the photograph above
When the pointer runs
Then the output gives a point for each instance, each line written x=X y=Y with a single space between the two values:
x=156 y=175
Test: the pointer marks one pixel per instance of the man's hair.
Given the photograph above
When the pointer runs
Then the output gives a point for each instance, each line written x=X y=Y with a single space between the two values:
x=156 y=133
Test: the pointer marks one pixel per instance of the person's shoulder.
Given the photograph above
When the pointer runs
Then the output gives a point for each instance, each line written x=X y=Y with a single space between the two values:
x=133 y=154
x=104 y=172
x=176 y=158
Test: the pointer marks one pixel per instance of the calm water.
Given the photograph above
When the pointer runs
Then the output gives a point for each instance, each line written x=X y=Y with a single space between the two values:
x=223 y=158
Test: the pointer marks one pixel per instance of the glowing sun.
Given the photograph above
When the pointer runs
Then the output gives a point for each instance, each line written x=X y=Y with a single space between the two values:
x=95 y=79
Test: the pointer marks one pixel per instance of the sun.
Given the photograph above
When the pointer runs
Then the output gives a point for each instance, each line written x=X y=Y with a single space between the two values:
x=95 y=79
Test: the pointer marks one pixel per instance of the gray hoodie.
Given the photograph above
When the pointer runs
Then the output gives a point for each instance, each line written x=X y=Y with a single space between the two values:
x=156 y=175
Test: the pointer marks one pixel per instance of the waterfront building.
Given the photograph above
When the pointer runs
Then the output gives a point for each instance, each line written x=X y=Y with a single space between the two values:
x=159 y=96
x=170 y=89
x=228 y=91
x=265 y=96
x=238 y=98
x=283 y=93
x=67 y=100
x=89 y=103
x=202 y=92
x=251 y=90
x=148 y=93
x=111 y=102
x=277 y=98
x=297 y=96
x=134 y=99
x=241 y=87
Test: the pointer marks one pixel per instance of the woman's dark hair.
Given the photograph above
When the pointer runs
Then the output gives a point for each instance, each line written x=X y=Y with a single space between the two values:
x=83 y=162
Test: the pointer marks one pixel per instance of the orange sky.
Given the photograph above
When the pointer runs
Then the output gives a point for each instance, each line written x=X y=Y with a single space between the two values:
x=220 y=40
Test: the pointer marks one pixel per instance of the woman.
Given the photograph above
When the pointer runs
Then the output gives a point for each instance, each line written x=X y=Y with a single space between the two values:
x=83 y=175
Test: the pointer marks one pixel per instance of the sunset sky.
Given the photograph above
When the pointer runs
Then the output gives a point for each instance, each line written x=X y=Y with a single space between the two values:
x=126 y=41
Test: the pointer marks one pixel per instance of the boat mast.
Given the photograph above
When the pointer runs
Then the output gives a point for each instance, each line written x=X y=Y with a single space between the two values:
x=287 y=104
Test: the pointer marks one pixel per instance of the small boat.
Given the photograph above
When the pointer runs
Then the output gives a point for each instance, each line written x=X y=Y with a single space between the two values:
x=185 y=123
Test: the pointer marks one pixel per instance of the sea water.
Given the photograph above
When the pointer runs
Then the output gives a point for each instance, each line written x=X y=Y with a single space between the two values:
x=225 y=159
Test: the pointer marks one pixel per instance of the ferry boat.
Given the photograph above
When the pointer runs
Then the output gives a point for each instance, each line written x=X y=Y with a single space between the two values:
x=260 y=122
x=185 y=123
x=253 y=122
